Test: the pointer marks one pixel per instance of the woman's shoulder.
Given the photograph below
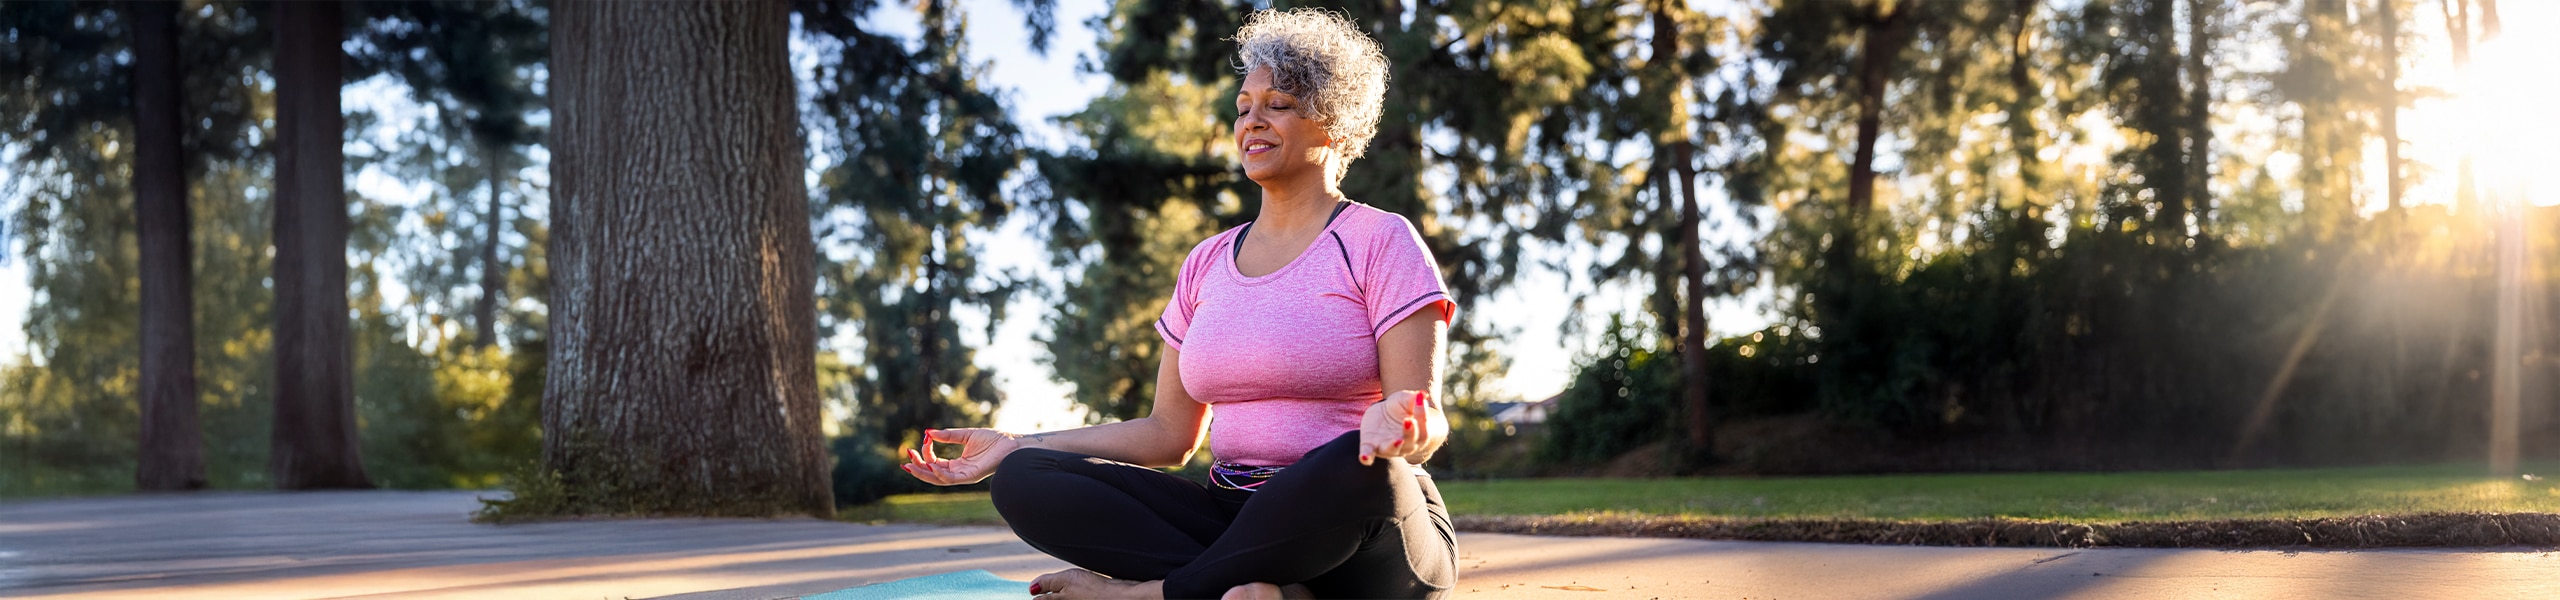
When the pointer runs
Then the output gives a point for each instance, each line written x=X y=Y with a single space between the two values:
x=1209 y=250
x=1364 y=226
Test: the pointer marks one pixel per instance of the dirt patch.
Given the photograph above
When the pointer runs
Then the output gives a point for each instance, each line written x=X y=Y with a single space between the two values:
x=2436 y=530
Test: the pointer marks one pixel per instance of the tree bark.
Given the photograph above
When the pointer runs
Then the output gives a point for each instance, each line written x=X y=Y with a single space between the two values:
x=315 y=421
x=2457 y=25
x=683 y=324
x=493 y=276
x=1693 y=326
x=2394 y=185
x=1885 y=37
x=172 y=444
x=2163 y=114
x=1693 y=270
x=2199 y=114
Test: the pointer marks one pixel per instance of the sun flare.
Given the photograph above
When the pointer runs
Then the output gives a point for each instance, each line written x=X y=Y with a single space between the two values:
x=2496 y=111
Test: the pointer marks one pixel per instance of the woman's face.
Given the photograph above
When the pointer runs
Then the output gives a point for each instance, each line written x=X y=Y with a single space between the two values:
x=1273 y=134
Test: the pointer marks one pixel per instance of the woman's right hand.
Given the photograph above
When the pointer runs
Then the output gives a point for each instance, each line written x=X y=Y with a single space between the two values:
x=980 y=451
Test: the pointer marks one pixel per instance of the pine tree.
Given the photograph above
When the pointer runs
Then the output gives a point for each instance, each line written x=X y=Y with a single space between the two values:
x=921 y=155
x=172 y=445
x=681 y=376
x=315 y=417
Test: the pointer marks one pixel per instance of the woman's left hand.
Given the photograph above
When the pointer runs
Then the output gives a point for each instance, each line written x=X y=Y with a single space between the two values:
x=1404 y=425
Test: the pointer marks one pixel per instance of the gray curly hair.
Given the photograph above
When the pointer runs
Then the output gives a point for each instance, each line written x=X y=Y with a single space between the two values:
x=1328 y=63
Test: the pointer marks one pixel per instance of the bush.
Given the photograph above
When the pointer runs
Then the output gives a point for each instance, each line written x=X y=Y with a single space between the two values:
x=1625 y=395
x=867 y=470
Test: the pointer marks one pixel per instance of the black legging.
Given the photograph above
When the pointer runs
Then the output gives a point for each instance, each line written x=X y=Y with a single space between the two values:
x=1342 y=529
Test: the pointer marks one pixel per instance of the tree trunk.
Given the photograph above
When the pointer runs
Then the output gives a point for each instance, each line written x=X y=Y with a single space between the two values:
x=2162 y=115
x=493 y=276
x=2390 y=16
x=924 y=408
x=2457 y=25
x=172 y=444
x=1884 y=40
x=2199 y=114
x=1693 y=325
x=315 y=421
x=1693 y=269
x=684 y=315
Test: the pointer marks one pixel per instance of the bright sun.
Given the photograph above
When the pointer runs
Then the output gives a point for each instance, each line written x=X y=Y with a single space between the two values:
x=2500 y=110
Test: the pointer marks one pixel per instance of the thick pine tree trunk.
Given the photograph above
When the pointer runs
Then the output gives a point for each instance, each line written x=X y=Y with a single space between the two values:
x=315 y=421
x=683 y=327
x=172 y=445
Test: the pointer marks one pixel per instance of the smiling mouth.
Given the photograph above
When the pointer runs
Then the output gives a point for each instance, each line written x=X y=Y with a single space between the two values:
x=1258 y=147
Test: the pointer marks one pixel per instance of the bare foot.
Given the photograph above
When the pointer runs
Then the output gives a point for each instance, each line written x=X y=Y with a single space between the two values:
x=1265 y=591
x=1080 y=584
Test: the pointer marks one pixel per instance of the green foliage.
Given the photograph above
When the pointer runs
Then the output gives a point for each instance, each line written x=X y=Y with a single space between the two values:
x=1124 y=208
x=433 y=415
x=916 y=156
x=867 y=470
x=1625 y=394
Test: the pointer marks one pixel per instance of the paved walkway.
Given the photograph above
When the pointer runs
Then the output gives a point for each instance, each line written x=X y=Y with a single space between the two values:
x=420 y=544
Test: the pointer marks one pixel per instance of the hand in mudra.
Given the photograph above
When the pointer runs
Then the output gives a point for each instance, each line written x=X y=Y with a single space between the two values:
x=1403 y=425
x=980 y=451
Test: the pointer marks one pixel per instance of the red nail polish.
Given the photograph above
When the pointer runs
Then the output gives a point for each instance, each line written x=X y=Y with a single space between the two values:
x=1035 y=589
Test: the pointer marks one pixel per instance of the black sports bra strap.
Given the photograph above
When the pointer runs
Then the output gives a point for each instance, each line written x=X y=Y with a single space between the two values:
x=1238 y=253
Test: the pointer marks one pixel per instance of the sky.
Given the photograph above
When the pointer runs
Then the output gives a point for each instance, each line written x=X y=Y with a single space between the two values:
x=2498 y=110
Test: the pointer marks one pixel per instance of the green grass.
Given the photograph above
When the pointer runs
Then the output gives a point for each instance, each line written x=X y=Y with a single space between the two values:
x=965 y=508
x=2071 y=497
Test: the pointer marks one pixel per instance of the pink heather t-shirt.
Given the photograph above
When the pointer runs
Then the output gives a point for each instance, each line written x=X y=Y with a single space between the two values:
x=1289 y=360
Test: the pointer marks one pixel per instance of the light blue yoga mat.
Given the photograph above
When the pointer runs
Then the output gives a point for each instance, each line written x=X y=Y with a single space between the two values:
x=963 y=585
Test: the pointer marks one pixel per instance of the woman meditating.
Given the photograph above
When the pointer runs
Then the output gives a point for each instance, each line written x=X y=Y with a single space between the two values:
x=1313 y=335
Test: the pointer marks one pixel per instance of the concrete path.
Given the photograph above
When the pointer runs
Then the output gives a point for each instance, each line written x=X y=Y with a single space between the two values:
x=420 y=544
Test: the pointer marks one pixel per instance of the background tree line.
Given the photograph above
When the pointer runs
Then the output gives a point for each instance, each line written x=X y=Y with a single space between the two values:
x=2019 y=234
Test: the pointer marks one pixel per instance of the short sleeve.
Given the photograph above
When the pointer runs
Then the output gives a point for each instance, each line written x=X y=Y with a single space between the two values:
x=1176 y=321
x=1401 y=277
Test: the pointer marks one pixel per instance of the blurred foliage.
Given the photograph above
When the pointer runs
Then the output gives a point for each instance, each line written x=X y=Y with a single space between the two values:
x=916 y=156
x=1622 y=397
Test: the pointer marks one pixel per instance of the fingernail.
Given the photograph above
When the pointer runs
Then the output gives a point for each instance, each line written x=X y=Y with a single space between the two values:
x=1417 y=398
x=1035 y=589
x=1408 y=424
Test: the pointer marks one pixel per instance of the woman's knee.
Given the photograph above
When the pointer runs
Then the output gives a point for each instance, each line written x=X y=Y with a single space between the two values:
x=1016 y=474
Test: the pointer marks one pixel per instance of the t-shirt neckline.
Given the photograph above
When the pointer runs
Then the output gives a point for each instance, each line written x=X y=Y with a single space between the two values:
x=1235 y=263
